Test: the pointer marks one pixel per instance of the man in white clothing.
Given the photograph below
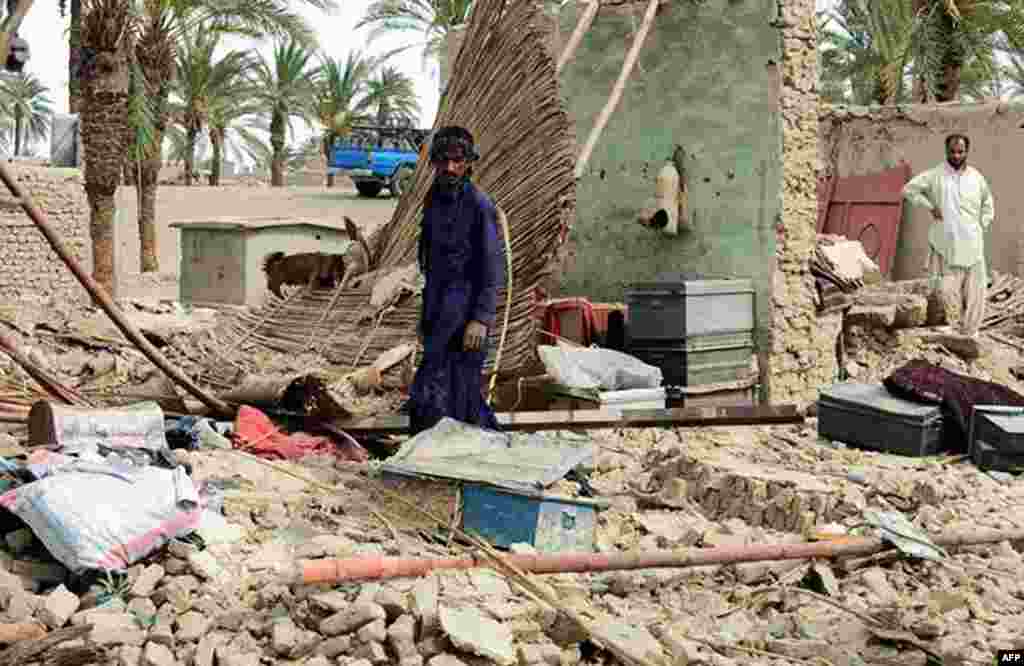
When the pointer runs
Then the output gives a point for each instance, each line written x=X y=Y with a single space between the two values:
x=962 y=210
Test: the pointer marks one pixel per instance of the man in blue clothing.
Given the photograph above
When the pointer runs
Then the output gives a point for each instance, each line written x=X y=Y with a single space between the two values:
x=462 y=258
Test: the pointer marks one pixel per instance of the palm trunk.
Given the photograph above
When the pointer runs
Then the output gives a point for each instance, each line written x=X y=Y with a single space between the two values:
x=106 y=136
x=949 y=85
x=17 y=131
x=102 y=206
x=190 y=154
x=75 y=58
x=131 y=168
x=217 y=142
x=328 y=141
x=277 y=129
x=149 y=261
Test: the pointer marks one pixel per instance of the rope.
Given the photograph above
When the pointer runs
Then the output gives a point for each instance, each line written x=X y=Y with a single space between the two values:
x=508 y=304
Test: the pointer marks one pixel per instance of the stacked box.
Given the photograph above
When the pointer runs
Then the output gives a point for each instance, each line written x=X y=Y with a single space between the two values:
x=868 y=416
x=697 y=331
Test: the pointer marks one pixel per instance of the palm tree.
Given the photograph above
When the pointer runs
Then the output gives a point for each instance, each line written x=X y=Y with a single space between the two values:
x=866 y=43
x=74 y=54
x=201 y=75
x=23 y=98
x=432 y=19
x=165 y=23
x=285 y=88
x=154 y=54
x=233 y=114
x=340 y=101
x=1014 y=73
x=108 y=33
x=952 y=34
x=393 y=94
x=982 y=81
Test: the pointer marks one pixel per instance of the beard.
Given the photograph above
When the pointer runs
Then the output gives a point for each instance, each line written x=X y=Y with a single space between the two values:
x=447 y=183
x=957 y=163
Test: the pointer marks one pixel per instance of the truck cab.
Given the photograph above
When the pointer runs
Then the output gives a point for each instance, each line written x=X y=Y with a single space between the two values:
x=376 y=158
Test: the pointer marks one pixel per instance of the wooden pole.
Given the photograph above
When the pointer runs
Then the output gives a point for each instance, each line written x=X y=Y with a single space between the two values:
x=679 y=417
x=620 y=85
x=577 y=35
x=102 y=298
x=49 y=383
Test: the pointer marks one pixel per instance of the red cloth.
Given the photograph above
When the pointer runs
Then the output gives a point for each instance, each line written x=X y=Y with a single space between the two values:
x=255 y=433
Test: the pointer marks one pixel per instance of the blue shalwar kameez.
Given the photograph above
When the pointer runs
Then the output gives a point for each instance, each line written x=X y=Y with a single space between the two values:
x=463 y=260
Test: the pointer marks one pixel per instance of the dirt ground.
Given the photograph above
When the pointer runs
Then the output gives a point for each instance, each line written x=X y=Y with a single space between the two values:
x=176 y=203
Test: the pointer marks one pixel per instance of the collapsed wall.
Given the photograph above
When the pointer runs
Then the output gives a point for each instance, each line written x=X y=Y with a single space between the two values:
x=30 y=266
x=802 y=353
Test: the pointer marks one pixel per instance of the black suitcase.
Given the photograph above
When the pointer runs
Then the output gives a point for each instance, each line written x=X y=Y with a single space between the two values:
x=868 y=416
x=996 y=438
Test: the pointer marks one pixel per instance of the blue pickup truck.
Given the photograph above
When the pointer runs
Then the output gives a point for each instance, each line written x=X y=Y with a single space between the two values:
x=376 y=158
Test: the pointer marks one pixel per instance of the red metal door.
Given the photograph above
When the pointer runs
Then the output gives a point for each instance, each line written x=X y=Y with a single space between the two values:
x=866 y=208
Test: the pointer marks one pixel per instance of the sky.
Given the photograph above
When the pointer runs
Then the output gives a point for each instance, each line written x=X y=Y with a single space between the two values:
x=47 y=36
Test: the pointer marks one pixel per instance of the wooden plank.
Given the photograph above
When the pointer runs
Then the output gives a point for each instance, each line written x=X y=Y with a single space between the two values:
x=680 y=417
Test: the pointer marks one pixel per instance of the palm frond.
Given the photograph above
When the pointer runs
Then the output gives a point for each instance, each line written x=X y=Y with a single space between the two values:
x=432 y=19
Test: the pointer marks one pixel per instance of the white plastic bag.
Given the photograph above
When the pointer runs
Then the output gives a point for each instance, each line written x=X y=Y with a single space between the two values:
x=99 y=521
x=596 y=368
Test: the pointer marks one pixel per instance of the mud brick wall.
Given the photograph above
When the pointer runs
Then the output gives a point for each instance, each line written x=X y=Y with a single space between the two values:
x=802 y=356
x=29 y=266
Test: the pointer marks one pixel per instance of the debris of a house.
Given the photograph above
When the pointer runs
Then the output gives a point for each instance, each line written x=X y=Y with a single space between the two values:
x=214 y=595
x=300 y=393
x=100 y=296
x=393 y=285
x=375 y=568
x=840 y=268
x=50 y=384
x=966 y=347
x=907 y=310
x=844 y=262
x=1004 y=302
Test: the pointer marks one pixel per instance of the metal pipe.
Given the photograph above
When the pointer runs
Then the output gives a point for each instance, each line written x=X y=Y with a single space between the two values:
x=312 y=572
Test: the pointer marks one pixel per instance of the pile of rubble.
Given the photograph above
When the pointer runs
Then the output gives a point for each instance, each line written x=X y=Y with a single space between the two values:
x=227 y=594
x=230 y=597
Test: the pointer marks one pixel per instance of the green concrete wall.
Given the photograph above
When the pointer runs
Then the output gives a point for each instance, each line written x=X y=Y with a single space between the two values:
x=212 y=267
x=704 y=83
